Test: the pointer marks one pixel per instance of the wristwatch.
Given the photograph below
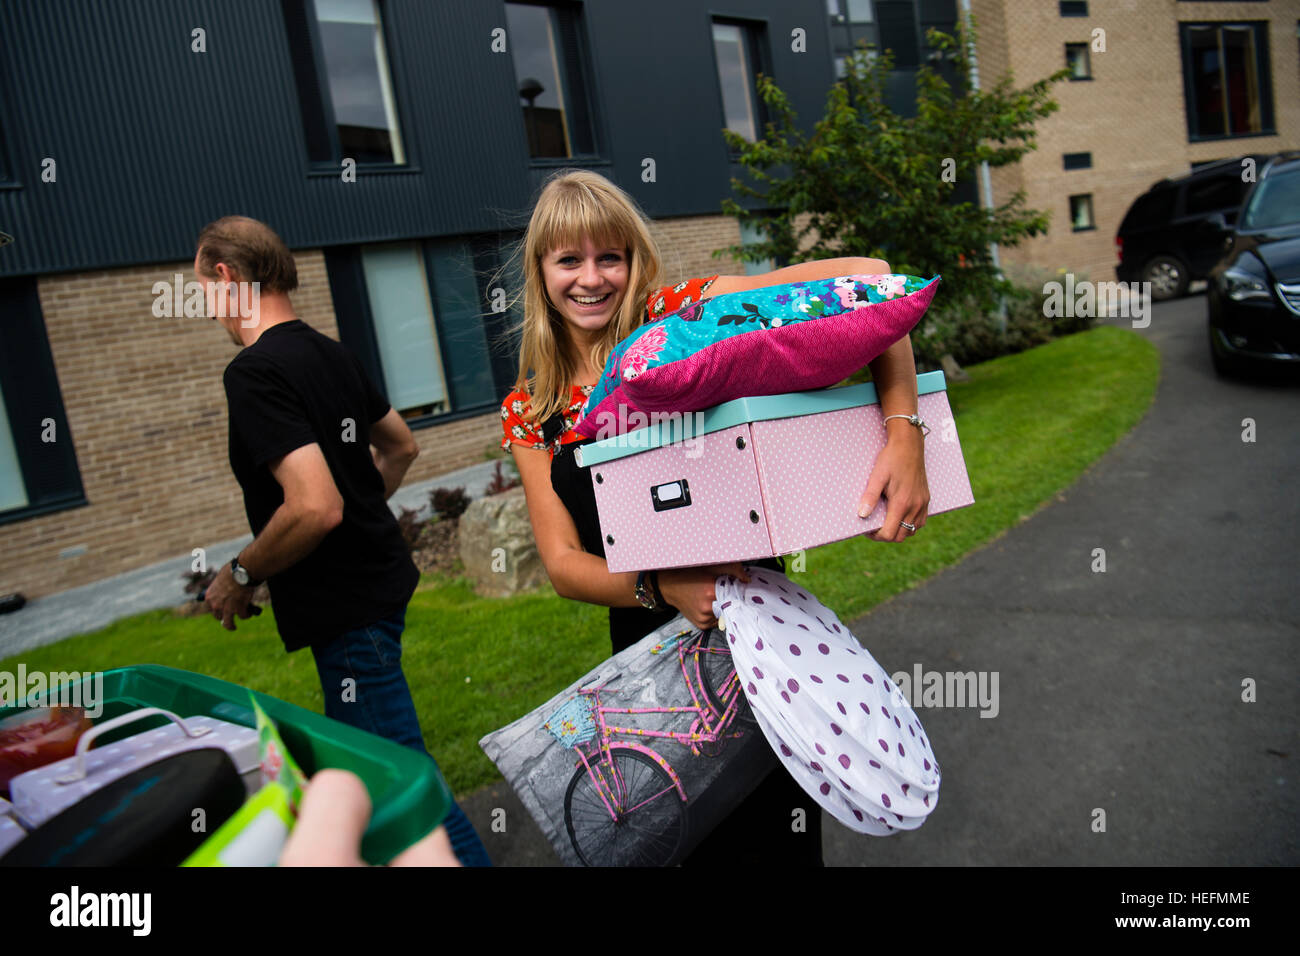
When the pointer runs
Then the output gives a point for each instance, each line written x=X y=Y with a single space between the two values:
x=241 y=575
x=645 y=582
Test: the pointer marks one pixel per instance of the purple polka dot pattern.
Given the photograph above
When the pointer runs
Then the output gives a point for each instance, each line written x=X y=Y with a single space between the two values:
x=878 y=781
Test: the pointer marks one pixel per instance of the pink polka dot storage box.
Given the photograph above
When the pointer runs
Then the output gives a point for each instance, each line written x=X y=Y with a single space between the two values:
x=758 y=477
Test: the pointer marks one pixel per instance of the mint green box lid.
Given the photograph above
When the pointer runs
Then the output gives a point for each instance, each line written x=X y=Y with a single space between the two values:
x=681 y=426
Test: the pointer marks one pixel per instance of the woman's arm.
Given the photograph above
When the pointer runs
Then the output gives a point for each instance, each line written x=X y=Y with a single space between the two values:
x=576 y=574
x=800 y=272
x=573 y=572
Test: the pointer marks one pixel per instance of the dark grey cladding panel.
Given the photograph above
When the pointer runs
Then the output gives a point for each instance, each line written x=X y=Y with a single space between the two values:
x=151 y=140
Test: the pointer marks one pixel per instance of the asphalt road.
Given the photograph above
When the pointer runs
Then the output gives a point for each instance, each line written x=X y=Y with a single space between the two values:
x=1121 y=736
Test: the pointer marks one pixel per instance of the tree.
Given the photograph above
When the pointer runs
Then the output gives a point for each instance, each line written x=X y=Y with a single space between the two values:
x=876 y=184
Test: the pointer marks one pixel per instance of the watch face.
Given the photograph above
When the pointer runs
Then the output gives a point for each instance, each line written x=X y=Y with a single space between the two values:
x=241 y=575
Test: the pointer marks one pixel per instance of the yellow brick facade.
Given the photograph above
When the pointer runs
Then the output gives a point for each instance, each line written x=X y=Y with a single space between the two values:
x=1131 y=115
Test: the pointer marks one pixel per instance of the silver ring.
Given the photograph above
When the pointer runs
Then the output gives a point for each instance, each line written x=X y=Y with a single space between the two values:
x=909 y=527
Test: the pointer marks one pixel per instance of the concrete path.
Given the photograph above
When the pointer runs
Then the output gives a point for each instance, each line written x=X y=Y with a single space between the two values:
x=1118 y=691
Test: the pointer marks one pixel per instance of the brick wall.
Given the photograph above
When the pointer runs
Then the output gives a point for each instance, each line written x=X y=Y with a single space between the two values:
x=1131 y=116
x=686 y=246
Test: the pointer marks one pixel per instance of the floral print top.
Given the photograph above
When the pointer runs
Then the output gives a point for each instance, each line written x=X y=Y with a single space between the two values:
x=526 y=434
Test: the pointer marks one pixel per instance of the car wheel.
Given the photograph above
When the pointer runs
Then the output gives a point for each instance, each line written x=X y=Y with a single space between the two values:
x=1168 y=277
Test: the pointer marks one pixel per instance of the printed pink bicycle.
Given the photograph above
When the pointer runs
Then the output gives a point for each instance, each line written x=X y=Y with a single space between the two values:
x=626 y=805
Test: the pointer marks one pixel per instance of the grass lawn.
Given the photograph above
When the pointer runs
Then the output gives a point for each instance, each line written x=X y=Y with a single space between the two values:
x=1029 y=425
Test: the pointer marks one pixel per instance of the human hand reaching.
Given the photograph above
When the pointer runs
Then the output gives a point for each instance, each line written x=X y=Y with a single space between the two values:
x=693 y=590
x=332 y=819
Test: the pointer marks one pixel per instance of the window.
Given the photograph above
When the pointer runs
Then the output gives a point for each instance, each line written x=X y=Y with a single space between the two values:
x=1077 y=160
x=1078 y=62
x=1074 y=8
x=431 y=342
x=38 y=464
x=1081 y=213
x=344 y=82
x=748 y=236
x=13 y=494
x=853 y=11
x=1226 y=79
x=544 y=43
x=735 y=49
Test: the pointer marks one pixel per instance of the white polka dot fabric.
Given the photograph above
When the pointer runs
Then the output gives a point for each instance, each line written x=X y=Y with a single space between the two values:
x=837 y=722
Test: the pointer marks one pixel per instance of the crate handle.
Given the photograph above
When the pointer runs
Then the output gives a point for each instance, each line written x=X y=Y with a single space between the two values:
x=83 y=744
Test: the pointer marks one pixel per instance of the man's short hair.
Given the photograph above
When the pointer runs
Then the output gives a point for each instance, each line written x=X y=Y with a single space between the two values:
x=251 y=250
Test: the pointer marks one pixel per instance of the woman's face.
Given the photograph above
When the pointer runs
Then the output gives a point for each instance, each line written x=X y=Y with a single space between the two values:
x=586 y=283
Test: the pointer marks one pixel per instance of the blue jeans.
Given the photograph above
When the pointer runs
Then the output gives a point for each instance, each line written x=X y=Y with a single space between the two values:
x=372 y=657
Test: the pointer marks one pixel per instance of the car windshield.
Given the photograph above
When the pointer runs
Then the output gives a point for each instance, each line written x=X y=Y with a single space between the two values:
x=1276 y=202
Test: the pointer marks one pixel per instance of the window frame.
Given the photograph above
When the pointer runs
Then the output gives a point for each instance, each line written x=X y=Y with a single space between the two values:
x=1264 y=78
x=585 y=70
x=53 y=483
x=755 y=32
x=1087 y=61
x=316 y=106
x=356 y=322
x=1092 y=216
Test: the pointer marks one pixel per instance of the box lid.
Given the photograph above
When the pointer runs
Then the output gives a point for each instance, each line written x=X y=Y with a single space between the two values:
x=677 y=427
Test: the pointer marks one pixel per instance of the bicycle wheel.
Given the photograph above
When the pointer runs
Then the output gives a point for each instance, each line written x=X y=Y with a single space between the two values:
x=651 y=834
x=718 y=675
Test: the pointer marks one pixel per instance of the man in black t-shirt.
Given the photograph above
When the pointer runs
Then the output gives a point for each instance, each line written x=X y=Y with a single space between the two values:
x=317 y=451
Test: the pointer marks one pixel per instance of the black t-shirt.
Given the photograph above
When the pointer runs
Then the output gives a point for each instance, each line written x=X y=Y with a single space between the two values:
x=290 y=388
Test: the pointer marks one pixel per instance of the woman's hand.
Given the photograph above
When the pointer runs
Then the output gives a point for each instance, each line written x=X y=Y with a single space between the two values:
x=693 y=590
x=899 y=474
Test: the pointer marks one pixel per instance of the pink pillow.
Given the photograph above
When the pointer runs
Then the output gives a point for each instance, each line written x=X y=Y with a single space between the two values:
x=782 y=338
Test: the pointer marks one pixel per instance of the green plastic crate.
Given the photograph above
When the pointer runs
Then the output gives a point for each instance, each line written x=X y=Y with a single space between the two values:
x=408 y=795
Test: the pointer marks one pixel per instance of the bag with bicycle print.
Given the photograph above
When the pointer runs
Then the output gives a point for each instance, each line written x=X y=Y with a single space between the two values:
x=637 y=762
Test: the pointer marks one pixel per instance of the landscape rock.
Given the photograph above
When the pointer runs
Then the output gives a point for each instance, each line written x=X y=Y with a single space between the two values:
x=497 y=546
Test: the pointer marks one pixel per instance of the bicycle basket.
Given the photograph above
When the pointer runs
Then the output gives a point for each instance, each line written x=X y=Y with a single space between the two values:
x=573 y=724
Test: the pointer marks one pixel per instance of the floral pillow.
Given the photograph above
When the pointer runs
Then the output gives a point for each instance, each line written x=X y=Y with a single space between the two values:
x=782 y=338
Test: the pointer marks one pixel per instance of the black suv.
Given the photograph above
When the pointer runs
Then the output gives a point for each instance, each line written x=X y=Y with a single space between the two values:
x=1173 y=233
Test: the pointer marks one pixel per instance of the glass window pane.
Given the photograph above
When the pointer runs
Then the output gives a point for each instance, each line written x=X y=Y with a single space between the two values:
x=748 y=235
x=735 y=78
x=403 y=319
x=539 y=67
x=860 y=11
x=459 y=314
x=356 y=66
x=1076 y=58
x=1241 y=77
x=13 y=493
x=1081 y=212
x=1207 y=81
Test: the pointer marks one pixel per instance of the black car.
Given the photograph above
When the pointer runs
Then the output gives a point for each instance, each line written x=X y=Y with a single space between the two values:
x=1254 y=292
x=1173 y=233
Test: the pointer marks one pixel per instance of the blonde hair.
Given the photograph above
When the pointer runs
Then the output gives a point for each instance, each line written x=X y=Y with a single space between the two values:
x=574 y=205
